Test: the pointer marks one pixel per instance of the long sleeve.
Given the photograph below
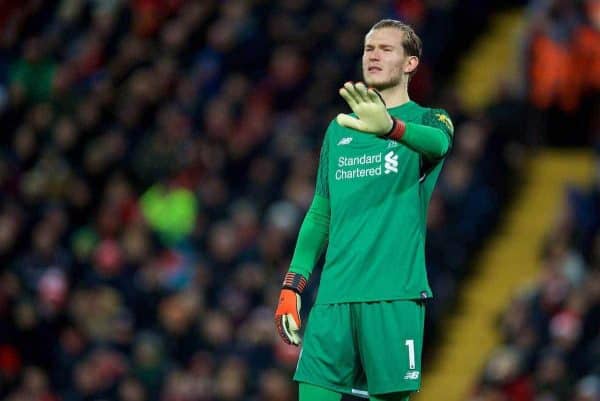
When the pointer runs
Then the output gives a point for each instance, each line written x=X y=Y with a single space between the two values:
x=433 y=138
x=314 y=231
x=312 y=238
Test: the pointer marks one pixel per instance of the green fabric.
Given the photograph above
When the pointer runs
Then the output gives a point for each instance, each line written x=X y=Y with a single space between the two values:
x=36 y=78
x=363 y=348
x=378 y=192
x=312 y=237
x=322 y=185
x=170 y=212
x=431 y=142
x=432 y=137
x=402 y=396
x=309 y=392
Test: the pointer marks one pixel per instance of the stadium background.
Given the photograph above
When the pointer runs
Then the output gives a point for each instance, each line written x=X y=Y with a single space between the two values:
x=158 y=156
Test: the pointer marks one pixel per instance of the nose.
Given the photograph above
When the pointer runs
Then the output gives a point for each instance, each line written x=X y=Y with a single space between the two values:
x=374 y=55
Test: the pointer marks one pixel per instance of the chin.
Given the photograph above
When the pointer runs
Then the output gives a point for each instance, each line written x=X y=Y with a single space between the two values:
x=378 y=84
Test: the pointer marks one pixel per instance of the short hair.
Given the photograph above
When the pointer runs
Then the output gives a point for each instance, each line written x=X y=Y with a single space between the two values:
x=412 y=44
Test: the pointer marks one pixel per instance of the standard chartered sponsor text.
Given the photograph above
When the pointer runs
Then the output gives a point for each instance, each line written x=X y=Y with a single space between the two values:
x=359 y=160
x=361 y=166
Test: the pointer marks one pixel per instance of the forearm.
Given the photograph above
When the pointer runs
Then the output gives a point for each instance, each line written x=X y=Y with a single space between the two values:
x=312 y=238
x=433 y=143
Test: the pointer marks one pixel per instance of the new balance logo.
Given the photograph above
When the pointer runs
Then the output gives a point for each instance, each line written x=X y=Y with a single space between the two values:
x=391 y=163
x=345 y=141
x=412 y=375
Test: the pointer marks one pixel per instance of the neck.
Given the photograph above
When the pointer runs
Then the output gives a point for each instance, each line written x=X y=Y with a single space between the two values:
x=396 y=95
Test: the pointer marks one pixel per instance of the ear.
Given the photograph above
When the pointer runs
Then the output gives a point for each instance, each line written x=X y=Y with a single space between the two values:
x=411 y=64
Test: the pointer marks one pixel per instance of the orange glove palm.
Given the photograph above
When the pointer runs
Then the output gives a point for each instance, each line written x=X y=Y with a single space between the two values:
x=287 y=315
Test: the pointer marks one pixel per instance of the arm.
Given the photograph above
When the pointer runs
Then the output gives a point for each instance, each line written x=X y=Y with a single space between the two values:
x=433 y=143
x=310 y=244
x=314 y=230
x=432 y=139
x=312 y=237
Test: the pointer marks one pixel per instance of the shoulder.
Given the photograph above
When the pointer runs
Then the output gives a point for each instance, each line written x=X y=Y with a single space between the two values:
x=334 y=126
x=334 y=129
x=438 y=118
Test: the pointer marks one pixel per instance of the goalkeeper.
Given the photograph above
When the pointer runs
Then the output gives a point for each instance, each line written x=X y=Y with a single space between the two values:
x=377 y=170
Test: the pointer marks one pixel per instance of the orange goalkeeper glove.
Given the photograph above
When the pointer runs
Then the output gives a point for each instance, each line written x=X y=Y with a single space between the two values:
x=287 y=315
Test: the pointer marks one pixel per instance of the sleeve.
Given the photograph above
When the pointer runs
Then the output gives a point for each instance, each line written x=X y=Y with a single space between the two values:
x=435 y=137
x=432 y=138
x=322 y=185
x=312 y=238
x=439 y=118
x=314 y=231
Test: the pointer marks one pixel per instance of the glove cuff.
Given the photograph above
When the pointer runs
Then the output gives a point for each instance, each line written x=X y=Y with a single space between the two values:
x=295 y=282
x=397 y=131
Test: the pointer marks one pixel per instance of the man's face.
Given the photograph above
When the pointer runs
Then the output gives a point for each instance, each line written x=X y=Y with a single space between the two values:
x=384 y=62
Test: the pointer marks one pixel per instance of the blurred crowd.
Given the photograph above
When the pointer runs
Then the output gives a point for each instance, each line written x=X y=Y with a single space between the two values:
x=550 y=330
x=563 y=70
x=551 y=348
x=157 y=159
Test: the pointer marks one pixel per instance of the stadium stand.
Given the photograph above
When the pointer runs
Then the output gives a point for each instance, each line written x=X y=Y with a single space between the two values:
x=550 y=334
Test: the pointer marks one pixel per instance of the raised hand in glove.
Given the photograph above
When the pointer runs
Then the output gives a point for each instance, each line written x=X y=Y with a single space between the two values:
x=372 y=116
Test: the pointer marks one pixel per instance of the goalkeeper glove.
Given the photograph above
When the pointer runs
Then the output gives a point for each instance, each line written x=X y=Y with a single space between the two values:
x=369 y=107
x=287 y=315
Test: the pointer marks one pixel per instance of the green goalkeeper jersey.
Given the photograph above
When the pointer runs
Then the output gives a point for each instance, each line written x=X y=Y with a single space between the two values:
x=378 y=192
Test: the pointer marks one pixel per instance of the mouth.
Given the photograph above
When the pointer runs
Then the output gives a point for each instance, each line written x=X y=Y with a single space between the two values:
x=374 y=69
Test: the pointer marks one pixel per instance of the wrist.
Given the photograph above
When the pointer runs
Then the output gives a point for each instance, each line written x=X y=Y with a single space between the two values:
x=397 y=131
x=295 y=282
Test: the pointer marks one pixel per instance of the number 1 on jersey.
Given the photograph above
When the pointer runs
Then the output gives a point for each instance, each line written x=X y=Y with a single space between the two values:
x=411 y=353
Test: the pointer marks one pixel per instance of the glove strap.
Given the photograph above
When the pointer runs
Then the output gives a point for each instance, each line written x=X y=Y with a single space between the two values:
x=397 y=131
x=295 y=282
